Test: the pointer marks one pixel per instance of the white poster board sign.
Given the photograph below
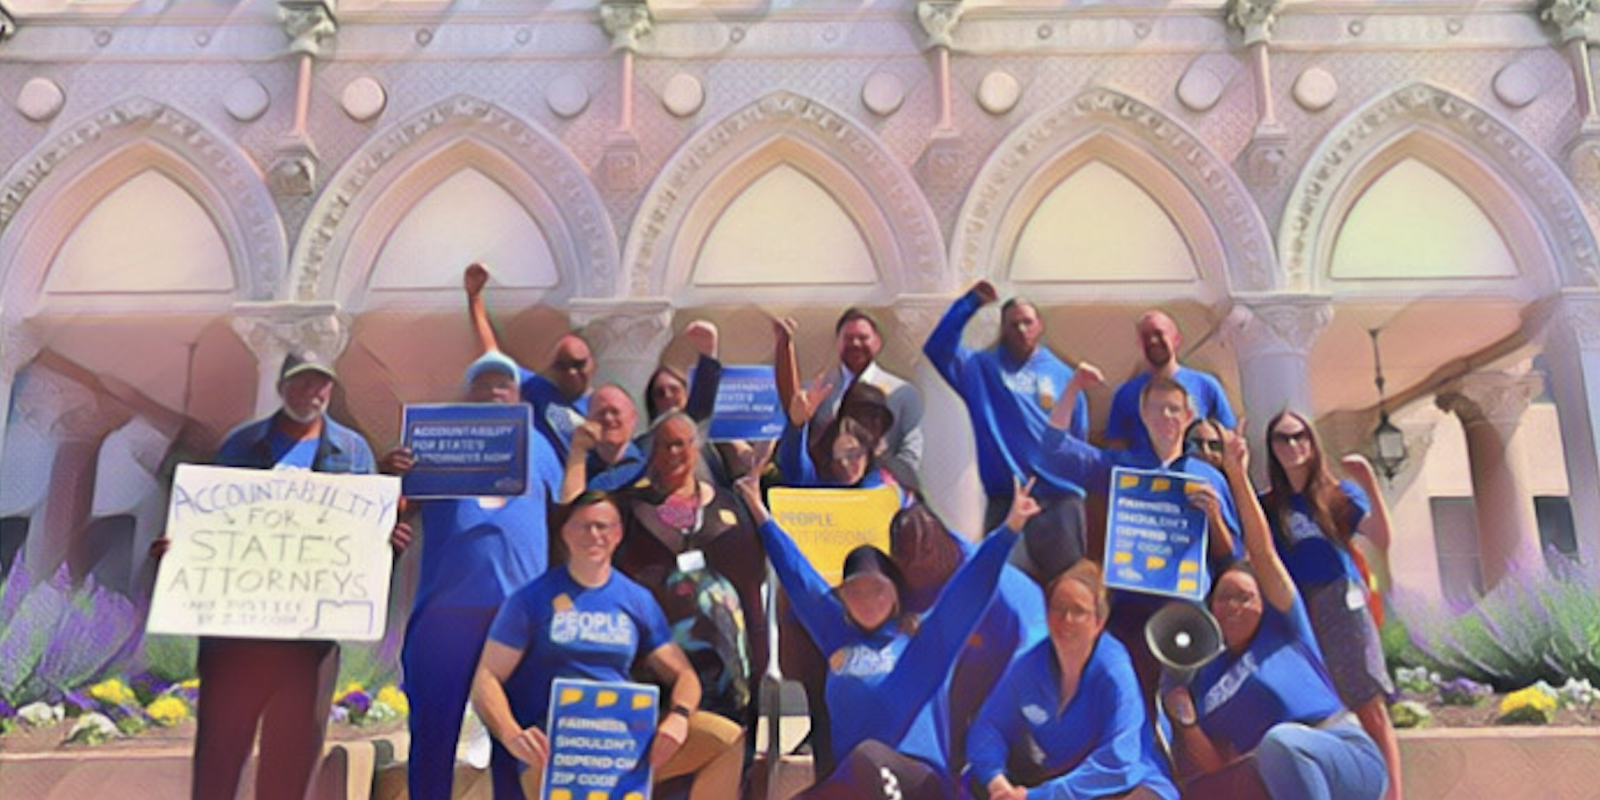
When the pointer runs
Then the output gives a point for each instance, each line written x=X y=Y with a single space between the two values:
x=276 y=554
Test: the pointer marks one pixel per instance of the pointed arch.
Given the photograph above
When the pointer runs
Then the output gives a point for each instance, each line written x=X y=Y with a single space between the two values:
x=396 y=169
x=1202 y=196
x=1511 y=180
x=89 y=160
x=846 y=160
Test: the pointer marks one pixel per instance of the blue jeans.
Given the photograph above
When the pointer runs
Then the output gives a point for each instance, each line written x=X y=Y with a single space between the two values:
x=1339 y=762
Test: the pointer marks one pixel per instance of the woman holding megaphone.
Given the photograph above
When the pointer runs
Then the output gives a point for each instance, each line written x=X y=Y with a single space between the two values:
x=1268 y=695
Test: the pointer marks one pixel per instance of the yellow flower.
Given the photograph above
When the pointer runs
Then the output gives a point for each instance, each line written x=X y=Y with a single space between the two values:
x=392 y=697
x=167 y=710
x=112 y=692
x=1530 y=697
x=192 y=683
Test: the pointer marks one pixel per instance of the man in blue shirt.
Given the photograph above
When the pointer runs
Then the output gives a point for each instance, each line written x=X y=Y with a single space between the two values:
x=1009 y=390
x=285 y=686
x=604 y=456
x=1159 y=340
x=560 y=400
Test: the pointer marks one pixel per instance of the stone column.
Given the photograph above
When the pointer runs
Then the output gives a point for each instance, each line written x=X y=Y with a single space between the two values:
x=18 y=346
x=1572 y=354
x=627 y=338
x=271 y=329
x=1490 y=406
x=949 y=471
x=1272 y=338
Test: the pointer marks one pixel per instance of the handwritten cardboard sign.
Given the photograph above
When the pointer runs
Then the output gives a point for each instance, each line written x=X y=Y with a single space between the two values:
x=1155 y=539
x=276 y=554
x=467 y=449
x=600 y=735
x=826 y=524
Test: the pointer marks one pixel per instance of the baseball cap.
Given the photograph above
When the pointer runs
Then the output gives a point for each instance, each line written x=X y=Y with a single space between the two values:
x=494 y=360
x=298 y=361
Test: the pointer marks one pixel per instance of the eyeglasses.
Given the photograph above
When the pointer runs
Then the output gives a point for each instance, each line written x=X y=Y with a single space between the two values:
x=1071 y=613
x=573 y=364
x=1198 y=444
x=1297 y=437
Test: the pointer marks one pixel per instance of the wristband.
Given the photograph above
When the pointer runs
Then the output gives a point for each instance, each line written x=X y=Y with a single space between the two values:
x=681 y=710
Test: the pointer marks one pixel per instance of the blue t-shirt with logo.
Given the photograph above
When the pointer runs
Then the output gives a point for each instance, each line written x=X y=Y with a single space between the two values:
x=554 y=416
x=567 y=630
x=1310 y=554
x=1279 y=677
x=1206 y=398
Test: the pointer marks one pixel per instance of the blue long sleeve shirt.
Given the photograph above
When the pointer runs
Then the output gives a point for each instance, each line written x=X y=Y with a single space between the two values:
x=887 y=684
x=553 y=415
x=1008 y=402
x=1099 y=743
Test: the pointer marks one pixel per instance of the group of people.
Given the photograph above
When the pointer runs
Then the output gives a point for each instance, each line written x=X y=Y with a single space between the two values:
x=939 y=669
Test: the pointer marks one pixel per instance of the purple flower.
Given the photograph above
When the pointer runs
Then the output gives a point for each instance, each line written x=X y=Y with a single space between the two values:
x=7 y=711
x=358 y=702
x=78 y=703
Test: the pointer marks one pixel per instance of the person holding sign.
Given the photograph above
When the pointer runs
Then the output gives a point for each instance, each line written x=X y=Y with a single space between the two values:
x=583 y=619
x=1268 y=693
x=561 y=400
x=1066 y=721
x=284 y=686
x=1165 y=412
x=476 y=551
x=887 y=668
x=1314 y=521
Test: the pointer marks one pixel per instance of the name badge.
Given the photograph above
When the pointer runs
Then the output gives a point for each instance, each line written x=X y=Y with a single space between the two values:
x=1355 y=596
x=1047 y=393
x=691 y=561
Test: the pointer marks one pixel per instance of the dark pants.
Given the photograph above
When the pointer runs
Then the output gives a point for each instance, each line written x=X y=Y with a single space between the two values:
x=439 y=658
x=874 y=771
x=286 y=687
x=1056 y=538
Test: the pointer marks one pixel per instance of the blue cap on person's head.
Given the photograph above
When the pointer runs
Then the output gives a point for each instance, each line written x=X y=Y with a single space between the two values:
x=492 y=360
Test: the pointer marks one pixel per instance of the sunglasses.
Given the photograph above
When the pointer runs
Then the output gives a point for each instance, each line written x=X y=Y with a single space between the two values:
x=1198 y=444
x=1291 y=438
x=573 y=364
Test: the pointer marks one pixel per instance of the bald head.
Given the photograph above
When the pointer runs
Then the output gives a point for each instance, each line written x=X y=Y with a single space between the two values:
x=571 y=366
x=1158 y=339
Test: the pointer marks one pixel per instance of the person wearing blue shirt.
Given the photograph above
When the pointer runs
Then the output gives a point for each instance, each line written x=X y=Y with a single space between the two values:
x=283 y=686
x=1315 y=519
x=561 y=401
x=1009 y=390
x=1065 y=723
x=1159 y=341
x=887 y=669
x=928 y=554
x=1268 y=693
x=583 y=619
x=604 y=456
x=476 y=551
x=1166 y=413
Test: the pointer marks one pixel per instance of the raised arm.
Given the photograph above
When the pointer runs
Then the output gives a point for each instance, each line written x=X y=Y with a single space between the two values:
x=1276 y=586
x=1066 y=412
x=809 y=594
x=473 y=280
x=575 y=473
x=943 y=347
x=1375 y=525
x=785 y=367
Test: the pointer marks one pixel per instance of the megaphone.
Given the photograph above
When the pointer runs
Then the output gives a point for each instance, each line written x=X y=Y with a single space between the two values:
x=1183 y=636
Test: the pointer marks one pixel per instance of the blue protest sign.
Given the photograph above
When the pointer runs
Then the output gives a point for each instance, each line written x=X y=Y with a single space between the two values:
x=467 y=449
x=1156 y=540
x=747 y=405
x=600 y=735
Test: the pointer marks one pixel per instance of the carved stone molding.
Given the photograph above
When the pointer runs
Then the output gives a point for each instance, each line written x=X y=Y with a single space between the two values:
x=1253 y=18
x=271 y=330
x=941 y=163
x=915 y=316
x=978 y=240
x=1498 y=398
x=1289 y=324
x=1265 y=162
x=909 y=251
x=580 y=235
x=238 y=198
x=1570 y=18
x=294 y=170
x=1583 y=160
x=1326 y=180
x=19 y=344
x=307 y=23
x=52 y=402
x=628 y=330
x=622 y=164
x=8 y=24
x=938 y=19
x=626 y=22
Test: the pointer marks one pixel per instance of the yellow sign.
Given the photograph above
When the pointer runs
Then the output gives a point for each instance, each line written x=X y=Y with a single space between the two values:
x=827 y=524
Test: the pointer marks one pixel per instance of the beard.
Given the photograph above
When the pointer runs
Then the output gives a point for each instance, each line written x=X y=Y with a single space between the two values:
x=304 y=418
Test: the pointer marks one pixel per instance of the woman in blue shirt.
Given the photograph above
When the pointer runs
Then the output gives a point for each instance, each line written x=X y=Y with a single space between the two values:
x=583 y=619
x=887 y=668
x=1067 y=721
x=1268 y=693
